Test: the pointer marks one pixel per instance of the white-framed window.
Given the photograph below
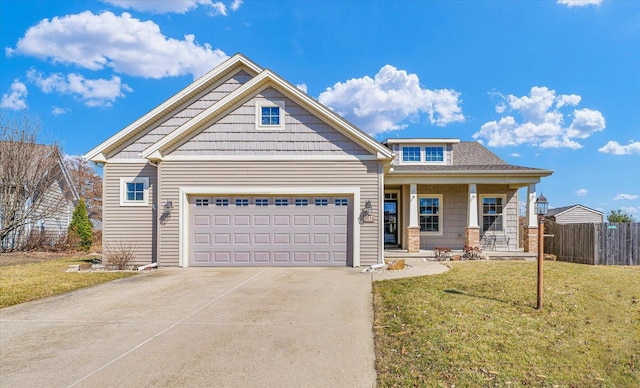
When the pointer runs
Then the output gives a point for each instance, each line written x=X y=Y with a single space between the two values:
x=492 y=209
x=411 y=154
x=242 y=201
x=321 y=202
x=341 y=201
x=262 y=201
x=202 y=201
x=270 y=114
x=282 y=202
x=134 y=191
x=434 y=154
x=302 y=202
x=222 y=201
x=430 y=214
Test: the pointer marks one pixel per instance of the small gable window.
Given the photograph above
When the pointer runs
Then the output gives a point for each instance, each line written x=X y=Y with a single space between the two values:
x=134 y=191
x=269 y=115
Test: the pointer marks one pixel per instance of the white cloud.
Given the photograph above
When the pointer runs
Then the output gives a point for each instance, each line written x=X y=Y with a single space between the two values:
x=123 y=43
x=626 y=196
x=57 y=111
x=581 y=192
x=302 y=87
x=94 y=92
x=174 y=6
x=579 y=3
x=541 y=123
x=384 y=102
x=613 y=147
x=515 y=155
x=16 y=97
x=630 y=209
x=235 y=5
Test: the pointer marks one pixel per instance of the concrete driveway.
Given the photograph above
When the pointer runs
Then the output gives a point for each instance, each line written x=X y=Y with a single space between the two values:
x=242 y=327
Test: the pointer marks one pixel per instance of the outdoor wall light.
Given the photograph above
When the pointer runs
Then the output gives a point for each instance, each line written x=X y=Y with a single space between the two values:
x=367 y=208
x=167 y=207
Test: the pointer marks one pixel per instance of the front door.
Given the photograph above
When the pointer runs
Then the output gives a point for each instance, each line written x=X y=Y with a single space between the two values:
x=391 y=221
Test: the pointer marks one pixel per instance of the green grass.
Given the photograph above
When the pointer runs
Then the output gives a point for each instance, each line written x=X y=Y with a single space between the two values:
x=24 y=282
x=476 y=325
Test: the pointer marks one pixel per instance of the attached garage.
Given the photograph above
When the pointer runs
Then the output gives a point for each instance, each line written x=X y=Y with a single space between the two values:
x=269 y=231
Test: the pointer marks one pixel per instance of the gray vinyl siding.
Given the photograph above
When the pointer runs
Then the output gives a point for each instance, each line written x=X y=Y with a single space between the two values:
x=134 y=225
x=236 y=134
x=190 y=110
x=579 y=215
x=176 y=174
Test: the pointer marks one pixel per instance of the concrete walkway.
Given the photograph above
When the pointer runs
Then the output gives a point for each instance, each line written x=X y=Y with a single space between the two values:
x=416 y=267
x=197 y=327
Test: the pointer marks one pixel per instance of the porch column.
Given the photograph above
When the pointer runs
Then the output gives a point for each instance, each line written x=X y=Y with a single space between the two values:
x=472 y=231
x=531 y=222
x=413 y=230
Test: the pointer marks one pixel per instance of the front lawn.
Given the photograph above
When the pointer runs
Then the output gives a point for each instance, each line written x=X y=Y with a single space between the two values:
x=21 y=283
x=476 y=325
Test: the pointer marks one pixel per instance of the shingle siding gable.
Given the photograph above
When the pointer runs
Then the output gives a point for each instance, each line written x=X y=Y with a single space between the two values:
x=236 y=134
x=169 y=124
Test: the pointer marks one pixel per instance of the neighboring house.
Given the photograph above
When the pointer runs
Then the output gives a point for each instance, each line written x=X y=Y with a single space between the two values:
x=575 y=214
x=46 y=177
x=243 y=168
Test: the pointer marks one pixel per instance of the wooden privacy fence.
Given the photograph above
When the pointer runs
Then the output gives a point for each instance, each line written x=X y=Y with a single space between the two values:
x=605 y=244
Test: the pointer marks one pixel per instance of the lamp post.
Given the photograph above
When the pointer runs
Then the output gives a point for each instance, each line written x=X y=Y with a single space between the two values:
x=541 y=208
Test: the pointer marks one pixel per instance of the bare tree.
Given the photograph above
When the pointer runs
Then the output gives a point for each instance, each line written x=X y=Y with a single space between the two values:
x=31 y=179
x=88 y=184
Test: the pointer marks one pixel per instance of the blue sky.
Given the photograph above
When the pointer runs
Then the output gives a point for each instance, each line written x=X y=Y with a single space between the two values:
x=549 y=84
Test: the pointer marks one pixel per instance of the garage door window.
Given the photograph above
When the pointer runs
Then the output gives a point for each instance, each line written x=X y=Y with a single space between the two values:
x=322 y=202
x=262 y=202
x=222 y=202
x=302 y=202
x=341 y=201
x=282 y=202
x=202 y=201
x=242 y=202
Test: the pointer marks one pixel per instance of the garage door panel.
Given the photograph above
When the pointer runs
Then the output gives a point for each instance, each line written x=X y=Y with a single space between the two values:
x=261 y=238
x=202 y=257
x=243 y=220
x=281 y=238
x=222 y=238
x=269 y=235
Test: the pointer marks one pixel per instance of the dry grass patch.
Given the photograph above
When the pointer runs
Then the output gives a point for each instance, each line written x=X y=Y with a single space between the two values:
x=476 y=326
x=21 y=283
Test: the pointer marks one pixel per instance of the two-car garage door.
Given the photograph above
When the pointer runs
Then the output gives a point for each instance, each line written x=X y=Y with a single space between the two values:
x=269 y=231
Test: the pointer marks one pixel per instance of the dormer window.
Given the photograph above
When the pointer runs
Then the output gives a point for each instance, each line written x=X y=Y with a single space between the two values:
x=270 y=114
x=434 y=154
x=411 y=154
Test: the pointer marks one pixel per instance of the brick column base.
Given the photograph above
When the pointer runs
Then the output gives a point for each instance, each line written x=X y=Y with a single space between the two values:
x=413 y=236
x=472 y=236
x=531 y=240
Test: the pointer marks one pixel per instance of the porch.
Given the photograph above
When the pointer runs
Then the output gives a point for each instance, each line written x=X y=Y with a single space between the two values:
x=430 y=255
